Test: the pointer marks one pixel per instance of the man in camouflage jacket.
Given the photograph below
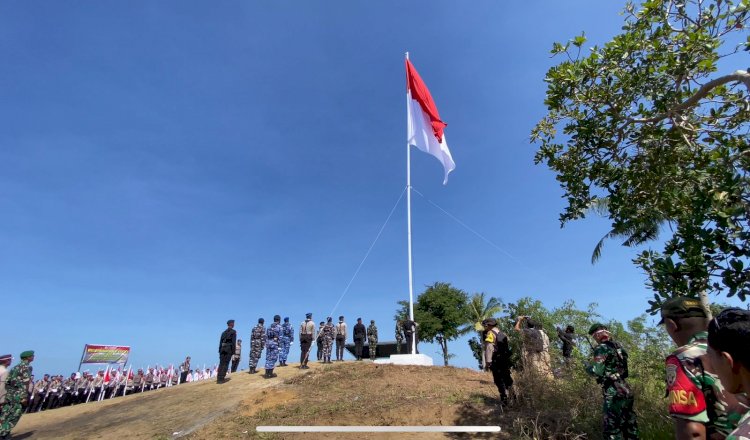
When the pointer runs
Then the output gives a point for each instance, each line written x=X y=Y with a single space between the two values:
x=16 y=386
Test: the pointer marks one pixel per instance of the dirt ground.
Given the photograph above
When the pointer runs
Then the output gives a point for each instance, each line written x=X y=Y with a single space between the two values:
x=349 y=393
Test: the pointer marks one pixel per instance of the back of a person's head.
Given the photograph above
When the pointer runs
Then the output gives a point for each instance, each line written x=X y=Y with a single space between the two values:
x=729 y=332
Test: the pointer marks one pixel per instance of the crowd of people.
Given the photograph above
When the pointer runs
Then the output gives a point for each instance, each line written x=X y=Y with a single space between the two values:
x=276 y=340
x=707 y=376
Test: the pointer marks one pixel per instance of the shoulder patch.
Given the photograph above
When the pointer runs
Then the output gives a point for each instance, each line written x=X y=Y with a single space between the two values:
x=685 y=398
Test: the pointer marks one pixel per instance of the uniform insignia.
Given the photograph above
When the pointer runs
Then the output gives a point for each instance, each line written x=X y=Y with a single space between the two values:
x=671 y=374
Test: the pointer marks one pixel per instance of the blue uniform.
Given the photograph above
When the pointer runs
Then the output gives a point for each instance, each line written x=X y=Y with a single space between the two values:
x=287 y=337
x=273 y=334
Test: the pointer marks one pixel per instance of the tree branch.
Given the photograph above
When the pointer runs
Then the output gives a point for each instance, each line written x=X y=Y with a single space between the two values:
x=738 y=76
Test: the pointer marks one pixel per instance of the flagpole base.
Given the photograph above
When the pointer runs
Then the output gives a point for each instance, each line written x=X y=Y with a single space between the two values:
x=407 y=359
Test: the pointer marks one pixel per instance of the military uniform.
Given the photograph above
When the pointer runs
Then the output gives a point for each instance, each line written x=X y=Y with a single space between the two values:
x=237 y=355
x=306 y=336
x=360 y=334
x=16 y=385
x=327 y=337
x=39 y=394
x=340 y=339
x=695 y=391
x=257 y=343
x=227 y=342
x=372 y=339
x=399 y=337
x=272 y=346
x=286 y=339
x=68 y=390
x=609 y=367
x=319 y=341
x=497 y=358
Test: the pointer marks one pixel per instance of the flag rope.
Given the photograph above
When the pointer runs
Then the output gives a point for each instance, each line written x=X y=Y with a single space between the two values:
x=367 y=254
x=454 y=218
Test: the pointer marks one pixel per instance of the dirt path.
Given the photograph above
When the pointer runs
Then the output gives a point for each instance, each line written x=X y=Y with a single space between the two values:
x=163 y=414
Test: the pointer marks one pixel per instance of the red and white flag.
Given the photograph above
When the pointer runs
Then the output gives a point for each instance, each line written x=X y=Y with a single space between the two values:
x=425 y=128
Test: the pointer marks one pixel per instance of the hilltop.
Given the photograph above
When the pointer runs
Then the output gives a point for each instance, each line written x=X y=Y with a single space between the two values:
x=350 y=393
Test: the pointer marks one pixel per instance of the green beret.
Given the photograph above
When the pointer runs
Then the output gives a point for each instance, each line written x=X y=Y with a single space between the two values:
x=27 y=354
x=596 y=326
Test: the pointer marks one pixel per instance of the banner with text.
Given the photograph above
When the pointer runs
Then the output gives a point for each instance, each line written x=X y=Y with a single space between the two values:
x=105 y=354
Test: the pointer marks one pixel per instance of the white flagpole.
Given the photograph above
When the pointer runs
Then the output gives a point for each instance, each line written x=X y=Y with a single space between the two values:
x=408 y=215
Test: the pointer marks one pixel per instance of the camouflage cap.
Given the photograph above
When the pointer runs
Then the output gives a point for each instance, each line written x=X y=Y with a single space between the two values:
x=596 y=326
x=681 y=307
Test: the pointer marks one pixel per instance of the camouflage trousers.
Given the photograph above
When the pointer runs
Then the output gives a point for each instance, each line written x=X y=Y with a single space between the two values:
x=327 y=347
x=272 y=354
x=285 y=345
x=399 y=342
x=373 y=349
x=619 y=419
x=10 y=415
x=256 y=349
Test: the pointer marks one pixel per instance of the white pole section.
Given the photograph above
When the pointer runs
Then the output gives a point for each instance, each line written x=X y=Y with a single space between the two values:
x=408 y=210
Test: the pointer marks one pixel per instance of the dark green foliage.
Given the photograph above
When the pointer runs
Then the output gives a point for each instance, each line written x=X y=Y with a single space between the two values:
x=647 y=131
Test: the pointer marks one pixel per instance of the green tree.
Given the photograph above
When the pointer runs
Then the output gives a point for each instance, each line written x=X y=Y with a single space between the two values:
x=439 y=311
x=652 y=129
x=478 y=309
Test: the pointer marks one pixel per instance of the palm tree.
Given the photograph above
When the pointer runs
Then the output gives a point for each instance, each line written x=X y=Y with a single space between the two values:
x=477 y=310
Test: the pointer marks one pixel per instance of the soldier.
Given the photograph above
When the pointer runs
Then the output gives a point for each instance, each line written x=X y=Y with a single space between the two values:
x=81 y=389
x=287 y=337
x=497 y=357
x=328 y=334
x=610 y=367
x=184 y=369
x=535 y=347
x=728 y=339
x=40 y=392
x=236 y=356
x=340 y=339
x=372 y=338
x=399 y=336
x=227 y=342
x=409 y=328
x=708 y=411
x=360 y=334
x=319 y=340
x=68 y=390
x=5 y=362
x=306 y=336
x=148 y=381
x=257 y=342
x=568 y=342
x=16 y=386
x=138 y=379
x=273 y=334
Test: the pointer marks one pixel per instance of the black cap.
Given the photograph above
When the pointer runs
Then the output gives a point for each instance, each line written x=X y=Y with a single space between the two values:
x=276 y=318
x=231 y=321
x=261 y=320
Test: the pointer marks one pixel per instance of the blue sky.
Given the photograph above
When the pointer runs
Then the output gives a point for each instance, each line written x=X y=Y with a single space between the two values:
x=165 y=166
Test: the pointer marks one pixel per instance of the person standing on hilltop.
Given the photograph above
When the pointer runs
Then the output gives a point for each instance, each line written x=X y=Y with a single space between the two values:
x=287 y=337
x=497 y=357
x=568 y=342
x=399 y=336
x=236 y=356
x=372 y=339
x=5 y=362
x=306 y=336
x=328 y=334
x=16 y=385
x=184 y=369
x=360 y=333
x=257 y=343
x=273 y=334
x=535 y=347
x=227 y=342
x=708 y=410
x=610 y=367
x=410 y=335
x=340 y=339
x=319 y=340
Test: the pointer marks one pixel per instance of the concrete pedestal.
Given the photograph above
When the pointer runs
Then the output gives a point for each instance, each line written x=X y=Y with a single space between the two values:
x=407 y=359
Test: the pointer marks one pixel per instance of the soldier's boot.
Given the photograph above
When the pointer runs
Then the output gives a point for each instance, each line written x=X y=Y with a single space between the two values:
x=251 y=370
x=269 y=374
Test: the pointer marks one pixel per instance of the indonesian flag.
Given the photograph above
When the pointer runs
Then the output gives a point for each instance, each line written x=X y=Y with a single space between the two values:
x=106 y=376
x=425 y=129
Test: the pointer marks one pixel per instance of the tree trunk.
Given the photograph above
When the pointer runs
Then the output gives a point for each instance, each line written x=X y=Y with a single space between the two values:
x=705 y=303
x=444 y=345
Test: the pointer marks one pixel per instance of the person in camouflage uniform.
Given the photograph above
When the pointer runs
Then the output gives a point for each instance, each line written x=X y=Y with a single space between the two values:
x=328 y=333
x=399 y=337
x=372 y=339
x=698 y=402
x=257 y=342
x=610 y=366
x=728 y=342
x=273 y=334
x=16 y=385
x=287 y=337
